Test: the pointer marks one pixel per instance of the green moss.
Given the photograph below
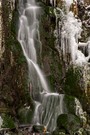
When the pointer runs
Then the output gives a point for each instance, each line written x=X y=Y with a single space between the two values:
x=51 y=79
x=47 y=26
x=74 y=85
x=62 y=120
x=25 y=115
x=70 y=104
x=70 y=123
x=15 y=85
x=58 y=132
x=8 y=121
x=72 y=82
x=14 y=22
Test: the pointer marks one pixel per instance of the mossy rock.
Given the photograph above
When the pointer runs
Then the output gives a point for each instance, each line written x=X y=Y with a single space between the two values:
x=25 y=115
x=69 y=104
x=72 y=105
x=72 y=84
x=59 y=132
x=70 y=123
x=8 y=121
x=38 y=128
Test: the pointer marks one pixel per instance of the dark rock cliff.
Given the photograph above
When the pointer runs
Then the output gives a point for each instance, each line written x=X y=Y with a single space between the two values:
x=62 y=77
x=13 y=67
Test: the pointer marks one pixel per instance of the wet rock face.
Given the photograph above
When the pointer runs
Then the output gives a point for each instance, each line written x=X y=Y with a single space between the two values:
x=25 y=115
x=13 y=76
x=38 y=128
x=49 y=56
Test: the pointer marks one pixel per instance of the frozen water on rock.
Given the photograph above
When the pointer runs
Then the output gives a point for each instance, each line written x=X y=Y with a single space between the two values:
x=71 y=31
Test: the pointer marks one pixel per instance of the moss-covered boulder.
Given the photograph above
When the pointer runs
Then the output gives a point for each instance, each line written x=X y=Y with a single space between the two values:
x=69 y=122
x=25 y=115
x=75 y=84
x=73 y=106
x=38 y=128
x=69 y=104
x=8 y=121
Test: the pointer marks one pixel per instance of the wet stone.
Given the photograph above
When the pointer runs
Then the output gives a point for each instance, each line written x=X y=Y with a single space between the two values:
x=38 y=128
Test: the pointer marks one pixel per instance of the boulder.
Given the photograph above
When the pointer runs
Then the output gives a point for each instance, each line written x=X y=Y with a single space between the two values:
x=72 y=105
x=69 y=123
x=25 y=115
x=38 y=128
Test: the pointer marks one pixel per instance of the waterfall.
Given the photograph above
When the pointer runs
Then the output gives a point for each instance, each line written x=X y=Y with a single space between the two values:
x=51 y=107
x=47 y=105
x=28 y=29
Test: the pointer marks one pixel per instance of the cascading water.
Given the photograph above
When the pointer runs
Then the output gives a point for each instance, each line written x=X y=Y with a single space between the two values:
x=27 y=31
x=48 y=105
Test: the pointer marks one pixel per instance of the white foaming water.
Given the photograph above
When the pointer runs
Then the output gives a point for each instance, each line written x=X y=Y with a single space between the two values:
x=41 y=76
x=47 y=105
x=50 y=108
x=32 y=2
x=36 y=113
x=26 y=36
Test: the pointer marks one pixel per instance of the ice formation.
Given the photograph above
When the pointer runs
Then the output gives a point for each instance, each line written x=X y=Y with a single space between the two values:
x=71 y=30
